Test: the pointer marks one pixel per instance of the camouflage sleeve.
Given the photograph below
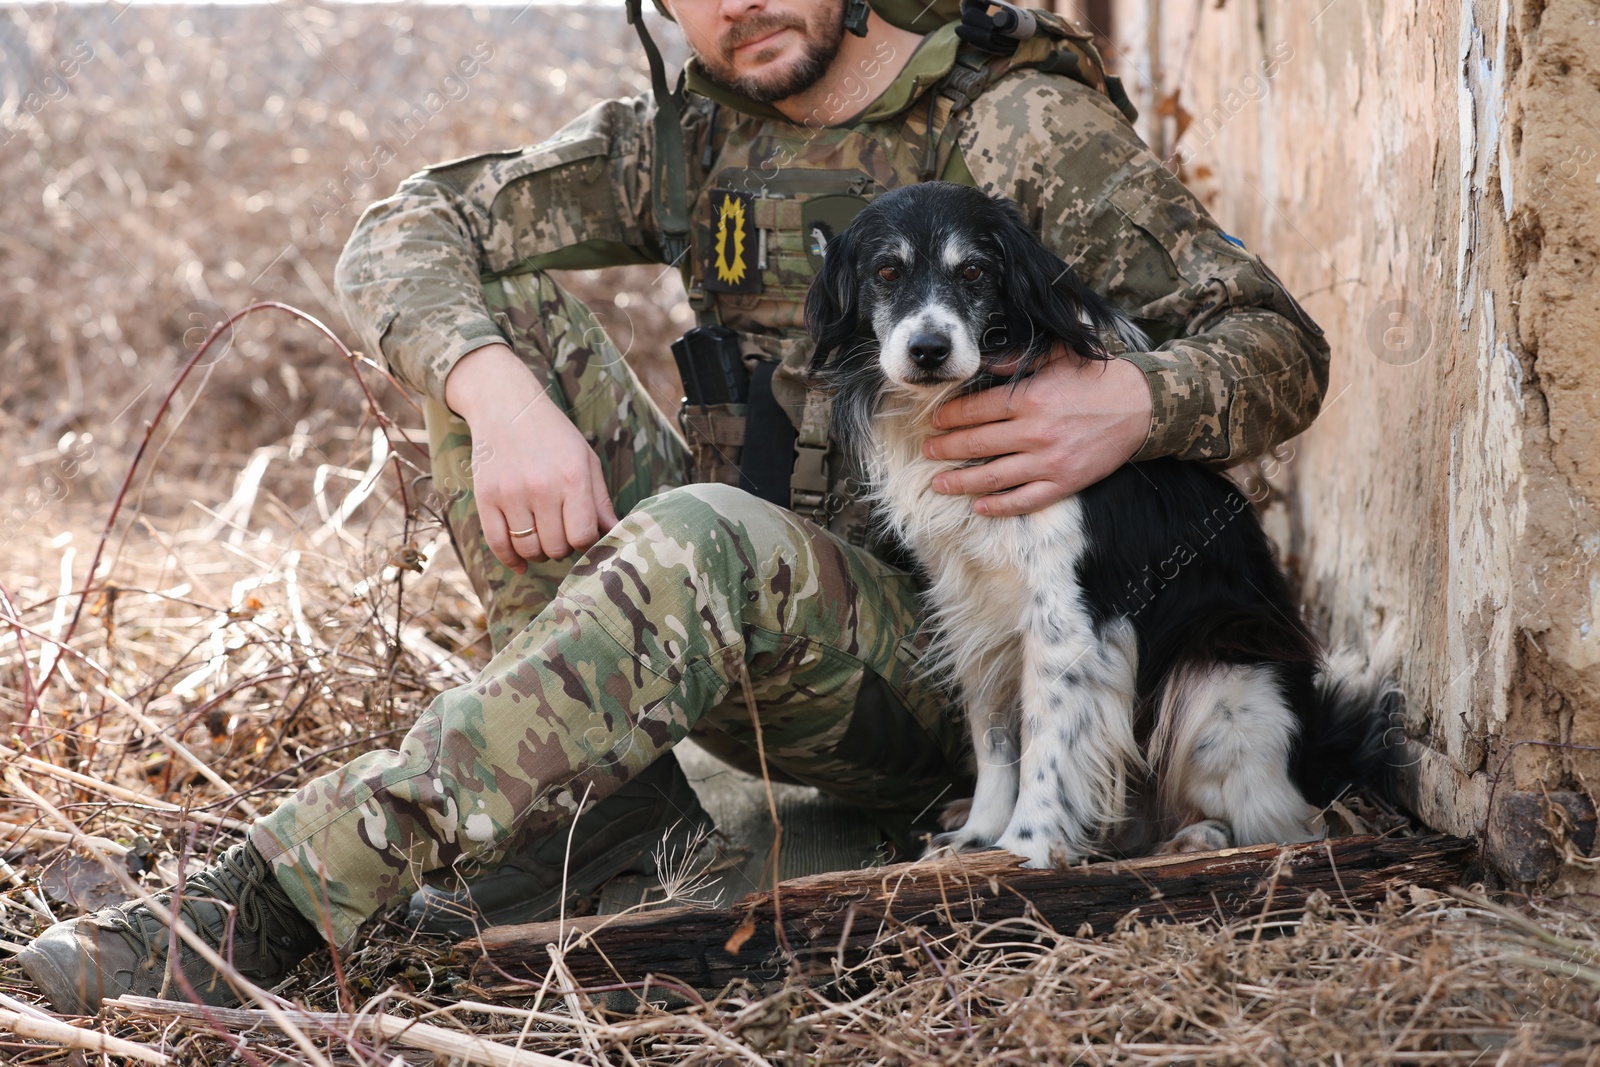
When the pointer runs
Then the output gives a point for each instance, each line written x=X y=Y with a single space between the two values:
x=1237 y=366
x=410 y=277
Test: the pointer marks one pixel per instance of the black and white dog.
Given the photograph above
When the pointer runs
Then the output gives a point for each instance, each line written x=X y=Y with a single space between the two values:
x=1134 y=668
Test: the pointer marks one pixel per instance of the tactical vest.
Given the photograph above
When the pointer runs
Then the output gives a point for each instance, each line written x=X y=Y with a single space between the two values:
x=770 y=196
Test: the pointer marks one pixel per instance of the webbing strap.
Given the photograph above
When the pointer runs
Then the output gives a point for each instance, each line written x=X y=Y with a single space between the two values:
x=671 y=200
x=965 y=81
x=808 y=486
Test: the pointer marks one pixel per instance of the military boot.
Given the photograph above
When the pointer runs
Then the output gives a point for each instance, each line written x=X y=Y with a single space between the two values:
x=619 y=835
x=123 y=949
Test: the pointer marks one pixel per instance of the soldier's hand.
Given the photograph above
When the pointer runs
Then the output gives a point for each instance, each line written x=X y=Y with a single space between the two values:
x=1055 y=433
x=531 y=467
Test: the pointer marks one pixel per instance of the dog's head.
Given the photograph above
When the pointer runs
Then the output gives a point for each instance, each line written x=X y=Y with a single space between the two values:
x=938 y=285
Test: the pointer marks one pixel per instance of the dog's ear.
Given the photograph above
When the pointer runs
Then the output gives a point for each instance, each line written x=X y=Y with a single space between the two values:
x=1104 y=317
x=1045 y=302
x=832 y=303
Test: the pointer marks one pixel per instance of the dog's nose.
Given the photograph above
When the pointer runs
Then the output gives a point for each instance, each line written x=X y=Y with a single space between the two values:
x=928 y=350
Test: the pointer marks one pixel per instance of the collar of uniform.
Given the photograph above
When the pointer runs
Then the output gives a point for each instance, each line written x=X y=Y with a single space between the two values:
x=931 y=61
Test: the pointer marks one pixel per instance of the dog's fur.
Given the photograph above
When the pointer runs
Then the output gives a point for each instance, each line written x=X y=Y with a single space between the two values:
x=1134 y=667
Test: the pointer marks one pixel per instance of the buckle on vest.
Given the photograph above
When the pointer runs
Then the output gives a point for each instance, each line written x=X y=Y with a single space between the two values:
x=808 y=487
x=965 y=83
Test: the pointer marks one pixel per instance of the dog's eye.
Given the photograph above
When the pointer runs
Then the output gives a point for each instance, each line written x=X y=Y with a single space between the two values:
x=972 y=272
x=889 y=274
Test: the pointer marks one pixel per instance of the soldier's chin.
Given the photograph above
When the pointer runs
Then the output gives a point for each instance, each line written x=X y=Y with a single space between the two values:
x=777 y=80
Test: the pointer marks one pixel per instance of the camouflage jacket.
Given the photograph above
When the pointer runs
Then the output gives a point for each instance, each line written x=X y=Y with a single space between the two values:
x=1236 y=365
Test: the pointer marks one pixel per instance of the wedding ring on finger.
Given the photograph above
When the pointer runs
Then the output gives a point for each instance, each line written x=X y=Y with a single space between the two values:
x=529 y=532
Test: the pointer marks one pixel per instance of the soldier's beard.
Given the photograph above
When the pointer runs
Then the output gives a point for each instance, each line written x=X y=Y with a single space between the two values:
x=822 y=47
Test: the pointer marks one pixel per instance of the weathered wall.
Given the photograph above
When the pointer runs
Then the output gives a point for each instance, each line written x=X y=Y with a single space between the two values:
x=1424 y=177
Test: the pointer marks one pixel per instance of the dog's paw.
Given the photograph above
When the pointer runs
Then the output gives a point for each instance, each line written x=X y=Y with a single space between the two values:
x=954 y=815
x=1041 y=851
x=1210 y=835
x=956 y=841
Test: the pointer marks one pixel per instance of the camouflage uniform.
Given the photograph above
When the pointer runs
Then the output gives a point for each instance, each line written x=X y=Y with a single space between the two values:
x=569 y=352
x=646 y=638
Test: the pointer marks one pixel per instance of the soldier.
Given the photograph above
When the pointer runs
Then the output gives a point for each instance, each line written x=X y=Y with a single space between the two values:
x=708 y=608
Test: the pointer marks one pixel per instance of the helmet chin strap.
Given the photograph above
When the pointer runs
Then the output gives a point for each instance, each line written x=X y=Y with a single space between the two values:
x=667 y=162
x=855 y=17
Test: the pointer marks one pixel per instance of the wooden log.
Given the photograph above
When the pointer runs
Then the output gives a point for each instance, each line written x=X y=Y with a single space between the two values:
x=835 y=918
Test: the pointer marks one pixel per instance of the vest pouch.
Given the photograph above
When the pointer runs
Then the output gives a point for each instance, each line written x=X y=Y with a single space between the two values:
x=715 y=435
x=768 y=460
x=750 y=445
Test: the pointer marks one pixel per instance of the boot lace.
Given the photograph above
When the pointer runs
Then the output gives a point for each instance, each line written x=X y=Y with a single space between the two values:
x=239 y=877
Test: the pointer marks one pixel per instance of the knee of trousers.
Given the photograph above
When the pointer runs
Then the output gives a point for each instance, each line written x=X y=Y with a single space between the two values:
x=711 y=512
x=730 y=538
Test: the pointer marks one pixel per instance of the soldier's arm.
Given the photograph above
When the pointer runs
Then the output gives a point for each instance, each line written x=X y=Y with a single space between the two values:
x=1236 y=366
x=411 y=276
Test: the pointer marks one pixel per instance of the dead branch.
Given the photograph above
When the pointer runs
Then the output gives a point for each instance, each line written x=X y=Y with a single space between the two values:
x=58 y=1032
x=834 y=919
x=425 y=1036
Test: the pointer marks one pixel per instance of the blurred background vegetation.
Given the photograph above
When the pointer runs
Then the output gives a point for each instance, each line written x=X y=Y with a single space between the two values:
x=274 y=593
x=165 y=166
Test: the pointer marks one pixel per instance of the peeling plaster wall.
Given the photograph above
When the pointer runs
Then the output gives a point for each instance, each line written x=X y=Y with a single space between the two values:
x=1424 y=178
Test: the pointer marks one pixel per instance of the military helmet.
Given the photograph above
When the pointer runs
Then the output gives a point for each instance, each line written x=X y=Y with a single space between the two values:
x=913 y=15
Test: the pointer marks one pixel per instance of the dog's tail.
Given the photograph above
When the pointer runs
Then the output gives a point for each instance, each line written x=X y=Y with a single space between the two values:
x=1359 y=738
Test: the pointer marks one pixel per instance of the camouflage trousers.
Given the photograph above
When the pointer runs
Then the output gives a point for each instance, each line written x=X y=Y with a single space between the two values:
x=603 y=664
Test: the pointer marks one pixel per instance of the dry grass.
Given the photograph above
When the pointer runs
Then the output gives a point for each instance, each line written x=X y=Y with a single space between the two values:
x=273 y=597
x=165 y=165
x=1429 y=979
